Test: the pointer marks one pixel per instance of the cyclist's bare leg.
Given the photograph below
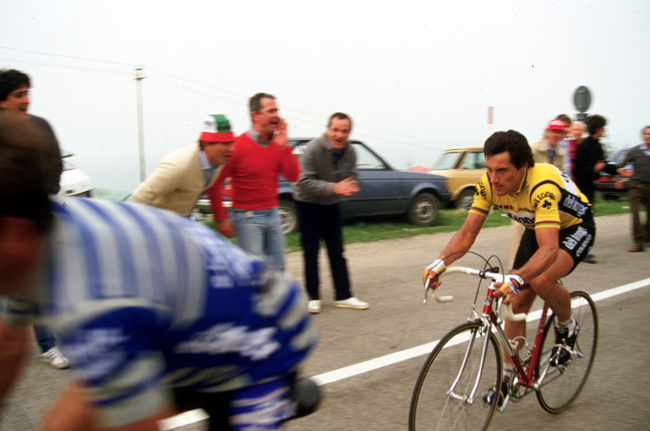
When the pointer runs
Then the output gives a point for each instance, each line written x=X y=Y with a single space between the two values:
x=521 y=304
x=555 y=295
x=546 y=286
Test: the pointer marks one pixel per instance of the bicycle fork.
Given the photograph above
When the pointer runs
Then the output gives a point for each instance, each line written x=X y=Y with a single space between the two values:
x=469 y=399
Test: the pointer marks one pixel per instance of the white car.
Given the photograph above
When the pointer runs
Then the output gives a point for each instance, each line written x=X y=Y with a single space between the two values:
x=74 y=181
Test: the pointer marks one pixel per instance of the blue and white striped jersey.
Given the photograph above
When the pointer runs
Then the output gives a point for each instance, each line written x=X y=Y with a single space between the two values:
x=144 y=300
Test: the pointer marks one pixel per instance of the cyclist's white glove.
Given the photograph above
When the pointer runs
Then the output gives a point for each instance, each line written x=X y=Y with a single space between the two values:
x=510 y=287
x=437 y=266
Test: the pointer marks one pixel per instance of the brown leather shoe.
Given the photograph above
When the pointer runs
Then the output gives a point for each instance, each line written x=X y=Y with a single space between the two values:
x=635 y=249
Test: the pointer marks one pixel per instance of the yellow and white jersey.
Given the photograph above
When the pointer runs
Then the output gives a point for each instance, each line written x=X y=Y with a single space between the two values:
x=546 y=198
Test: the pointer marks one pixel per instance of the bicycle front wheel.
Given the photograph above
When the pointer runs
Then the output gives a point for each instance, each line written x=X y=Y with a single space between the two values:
x=562 y=386
x=460 y=370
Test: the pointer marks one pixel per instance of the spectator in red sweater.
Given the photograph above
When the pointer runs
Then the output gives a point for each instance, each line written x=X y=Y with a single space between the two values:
x=260 y=156
x=577 y=130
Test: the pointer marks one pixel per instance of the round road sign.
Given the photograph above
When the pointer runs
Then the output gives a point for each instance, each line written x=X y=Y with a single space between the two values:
x=582 y=98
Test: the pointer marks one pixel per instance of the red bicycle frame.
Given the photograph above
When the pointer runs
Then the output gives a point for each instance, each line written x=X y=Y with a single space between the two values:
x=526 y=378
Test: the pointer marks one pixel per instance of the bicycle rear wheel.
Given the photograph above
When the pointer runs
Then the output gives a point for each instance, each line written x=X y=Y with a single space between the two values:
x=438 y=404
x=562 y=386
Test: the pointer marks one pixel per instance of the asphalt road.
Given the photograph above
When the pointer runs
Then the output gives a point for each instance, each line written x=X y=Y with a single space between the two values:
x=387 y=274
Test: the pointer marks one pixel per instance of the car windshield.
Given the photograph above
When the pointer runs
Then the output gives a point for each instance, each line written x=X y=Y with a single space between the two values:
x=446 y=161
x=367 y=160
x=298 y=147
x=473 y=160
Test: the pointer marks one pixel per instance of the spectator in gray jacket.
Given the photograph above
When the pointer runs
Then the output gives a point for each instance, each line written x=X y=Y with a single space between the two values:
x=638 y=160
x=329 y=172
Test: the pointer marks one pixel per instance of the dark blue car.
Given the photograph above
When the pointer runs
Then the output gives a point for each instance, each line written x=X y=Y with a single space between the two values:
x=384 y=190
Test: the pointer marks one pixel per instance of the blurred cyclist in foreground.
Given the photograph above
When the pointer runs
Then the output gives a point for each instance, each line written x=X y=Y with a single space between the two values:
x=158 y=314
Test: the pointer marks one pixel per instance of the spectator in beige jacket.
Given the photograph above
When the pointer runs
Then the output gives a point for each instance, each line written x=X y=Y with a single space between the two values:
x=184 y=175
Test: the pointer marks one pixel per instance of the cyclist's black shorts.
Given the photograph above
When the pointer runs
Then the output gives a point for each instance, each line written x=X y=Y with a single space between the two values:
x=576 y=240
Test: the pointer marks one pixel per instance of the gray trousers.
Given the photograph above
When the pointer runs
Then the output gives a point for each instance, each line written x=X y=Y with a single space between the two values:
x=639 y=195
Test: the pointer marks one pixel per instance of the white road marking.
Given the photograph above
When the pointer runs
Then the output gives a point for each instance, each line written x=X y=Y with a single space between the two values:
x=424 y=349
x=175 y=423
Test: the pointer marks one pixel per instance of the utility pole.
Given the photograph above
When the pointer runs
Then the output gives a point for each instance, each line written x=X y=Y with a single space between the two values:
x=138 y=84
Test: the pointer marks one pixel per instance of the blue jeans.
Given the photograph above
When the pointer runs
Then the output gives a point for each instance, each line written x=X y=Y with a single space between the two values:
x=45 y=338
x=260 y=234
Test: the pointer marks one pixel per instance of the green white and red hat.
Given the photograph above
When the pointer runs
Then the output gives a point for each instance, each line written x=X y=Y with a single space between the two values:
x=216 y=128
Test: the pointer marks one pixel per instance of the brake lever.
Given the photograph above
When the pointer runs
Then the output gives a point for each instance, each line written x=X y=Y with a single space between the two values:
x=426 y=289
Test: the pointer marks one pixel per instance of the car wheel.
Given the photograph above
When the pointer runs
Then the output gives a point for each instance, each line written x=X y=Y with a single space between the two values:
x=424 y=210
x=465 y=199
x=287 y=210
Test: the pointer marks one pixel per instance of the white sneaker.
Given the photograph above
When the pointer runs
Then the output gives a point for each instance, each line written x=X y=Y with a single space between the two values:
x=314 y=306
x=352 y=302
x=55 y=358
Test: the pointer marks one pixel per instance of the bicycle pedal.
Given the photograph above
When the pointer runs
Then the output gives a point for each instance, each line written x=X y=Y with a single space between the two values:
x=555 y=358
x=489 y=398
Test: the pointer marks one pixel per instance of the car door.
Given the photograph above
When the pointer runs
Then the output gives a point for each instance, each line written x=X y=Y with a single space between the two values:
x=381 y=189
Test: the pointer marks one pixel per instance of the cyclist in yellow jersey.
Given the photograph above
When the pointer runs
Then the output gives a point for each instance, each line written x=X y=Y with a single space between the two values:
x=546 y=197
x=559 y=233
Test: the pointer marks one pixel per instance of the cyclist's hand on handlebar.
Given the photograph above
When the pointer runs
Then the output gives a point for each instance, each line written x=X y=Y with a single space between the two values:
x=431 y=273
x=509 y=288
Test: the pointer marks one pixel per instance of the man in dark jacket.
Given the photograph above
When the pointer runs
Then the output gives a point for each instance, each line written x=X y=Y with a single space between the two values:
x=590 y=158
x=329 y=172
x=590 y=161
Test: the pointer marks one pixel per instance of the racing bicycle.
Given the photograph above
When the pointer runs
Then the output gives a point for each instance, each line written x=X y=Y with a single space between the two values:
x=459 y=385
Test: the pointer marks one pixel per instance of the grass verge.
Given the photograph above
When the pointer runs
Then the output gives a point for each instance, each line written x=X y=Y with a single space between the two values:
x=449 y=220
